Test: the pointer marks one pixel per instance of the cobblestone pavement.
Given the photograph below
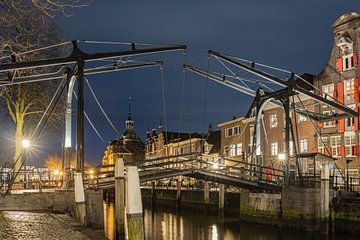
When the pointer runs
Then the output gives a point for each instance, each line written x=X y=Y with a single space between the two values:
x=30 y=225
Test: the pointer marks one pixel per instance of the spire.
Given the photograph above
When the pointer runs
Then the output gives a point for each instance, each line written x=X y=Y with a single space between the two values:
x=129 y=113
x=129 y=122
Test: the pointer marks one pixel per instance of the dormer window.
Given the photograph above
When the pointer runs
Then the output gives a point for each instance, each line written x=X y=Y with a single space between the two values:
x=348 y=58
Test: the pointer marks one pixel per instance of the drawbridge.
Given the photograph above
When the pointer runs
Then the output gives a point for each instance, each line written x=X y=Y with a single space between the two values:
x=237 y=173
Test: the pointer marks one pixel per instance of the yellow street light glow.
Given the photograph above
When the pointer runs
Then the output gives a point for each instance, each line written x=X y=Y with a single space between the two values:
x=91 y=172
x=56 y=172
x=281 y=156
x=216 y=166
x=25 y=143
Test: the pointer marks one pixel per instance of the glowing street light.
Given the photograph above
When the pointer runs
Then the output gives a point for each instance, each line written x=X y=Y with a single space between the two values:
x=26 y=143
x=56 y=172
x=281 y=156
x=216 y=166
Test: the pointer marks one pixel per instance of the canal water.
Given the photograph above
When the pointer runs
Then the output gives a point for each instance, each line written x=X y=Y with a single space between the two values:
x=164 y=224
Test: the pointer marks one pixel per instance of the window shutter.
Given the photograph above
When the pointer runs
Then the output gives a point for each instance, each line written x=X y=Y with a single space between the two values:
x=341 y=125
x=356 y=120
x=340 y=92
x=319 y=125
x=341 y=151
x=355 y=59
x=356 y=91
x=314 y=150
x=357 y=150
x=339 y=64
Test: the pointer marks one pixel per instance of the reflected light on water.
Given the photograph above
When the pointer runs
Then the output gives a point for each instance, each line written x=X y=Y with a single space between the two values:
x=214 y=232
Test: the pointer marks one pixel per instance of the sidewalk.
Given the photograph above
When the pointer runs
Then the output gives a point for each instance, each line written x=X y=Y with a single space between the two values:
x=34 y=225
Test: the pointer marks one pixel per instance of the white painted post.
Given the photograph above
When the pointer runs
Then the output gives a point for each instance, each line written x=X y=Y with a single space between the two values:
x=324 y=197
x=120 y=198
x=134 y=210
x=80 y=198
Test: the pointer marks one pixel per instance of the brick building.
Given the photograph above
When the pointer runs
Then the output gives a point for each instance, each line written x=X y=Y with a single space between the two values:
x=339 y=81
x=339 y=139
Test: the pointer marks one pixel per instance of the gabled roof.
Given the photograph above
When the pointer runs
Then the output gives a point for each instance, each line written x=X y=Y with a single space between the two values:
x=347 y=17
x=214 y=139
x=170 y=137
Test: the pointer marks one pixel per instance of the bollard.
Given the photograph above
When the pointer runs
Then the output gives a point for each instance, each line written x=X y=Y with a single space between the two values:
x=206 y=192
x=119 y=199
x=134 y=210
x=221 y=196
x=80 y=210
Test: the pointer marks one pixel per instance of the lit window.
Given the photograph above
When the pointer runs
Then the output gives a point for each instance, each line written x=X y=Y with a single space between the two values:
x=335 y=142
x=349 y=91
x=350 y=141
x=273 y=120
x=239 y=149
x=302 y=118
x=328 y=91
x=303 y=145
x=274 y=149
x=322 y=144
x=291 y=148
x=349 y=124
x=329 y=123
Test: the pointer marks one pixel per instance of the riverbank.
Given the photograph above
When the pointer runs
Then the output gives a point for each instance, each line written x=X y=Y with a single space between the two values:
x=295 y=208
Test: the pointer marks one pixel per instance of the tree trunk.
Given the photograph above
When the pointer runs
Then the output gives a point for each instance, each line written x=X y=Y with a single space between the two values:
x=19 y=136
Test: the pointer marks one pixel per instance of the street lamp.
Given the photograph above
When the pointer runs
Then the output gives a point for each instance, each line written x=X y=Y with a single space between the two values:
x=281 y=156
x=26 y=143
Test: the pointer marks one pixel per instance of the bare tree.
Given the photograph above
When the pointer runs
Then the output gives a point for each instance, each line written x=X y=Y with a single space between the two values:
x=26 y=25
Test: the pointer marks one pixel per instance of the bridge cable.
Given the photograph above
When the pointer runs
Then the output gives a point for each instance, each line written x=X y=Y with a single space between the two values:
x=90 y=122
x=163 y=102
x=101 y=108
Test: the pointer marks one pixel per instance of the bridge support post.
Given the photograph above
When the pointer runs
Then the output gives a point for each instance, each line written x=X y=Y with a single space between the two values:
x=221 y=196
x=206 y=192
x=324 y=198
x=119 y=199
x=153 y=191
x=178 y=192
x=134 y=210
x=80 y=208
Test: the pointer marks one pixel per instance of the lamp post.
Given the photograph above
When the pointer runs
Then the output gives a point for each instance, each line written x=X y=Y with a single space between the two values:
x=348 y=161
x=26 y=144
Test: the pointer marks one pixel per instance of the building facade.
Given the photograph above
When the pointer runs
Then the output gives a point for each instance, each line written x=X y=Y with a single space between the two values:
x=339 y=81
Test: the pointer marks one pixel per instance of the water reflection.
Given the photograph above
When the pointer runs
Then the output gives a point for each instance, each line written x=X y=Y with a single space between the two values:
x=171 y=225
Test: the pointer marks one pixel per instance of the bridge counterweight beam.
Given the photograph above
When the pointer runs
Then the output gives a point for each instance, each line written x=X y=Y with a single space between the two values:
x=287 y=139
x=80 y=118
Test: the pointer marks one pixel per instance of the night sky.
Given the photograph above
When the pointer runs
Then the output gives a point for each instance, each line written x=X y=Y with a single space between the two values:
x=294 y=35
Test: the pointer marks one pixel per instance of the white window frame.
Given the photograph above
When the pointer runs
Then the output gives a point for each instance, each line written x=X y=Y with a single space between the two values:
x=232 y=131
x=303 y=145
x=328 y=90
x=353 y=173
x=302 y=118
x=335 y=143
x=274 y=149
x=291 y=148
x=349 y=91
x=349 y=144
x=348 y=61
x=322 y=144
x=329 y=124
x=273 y=121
